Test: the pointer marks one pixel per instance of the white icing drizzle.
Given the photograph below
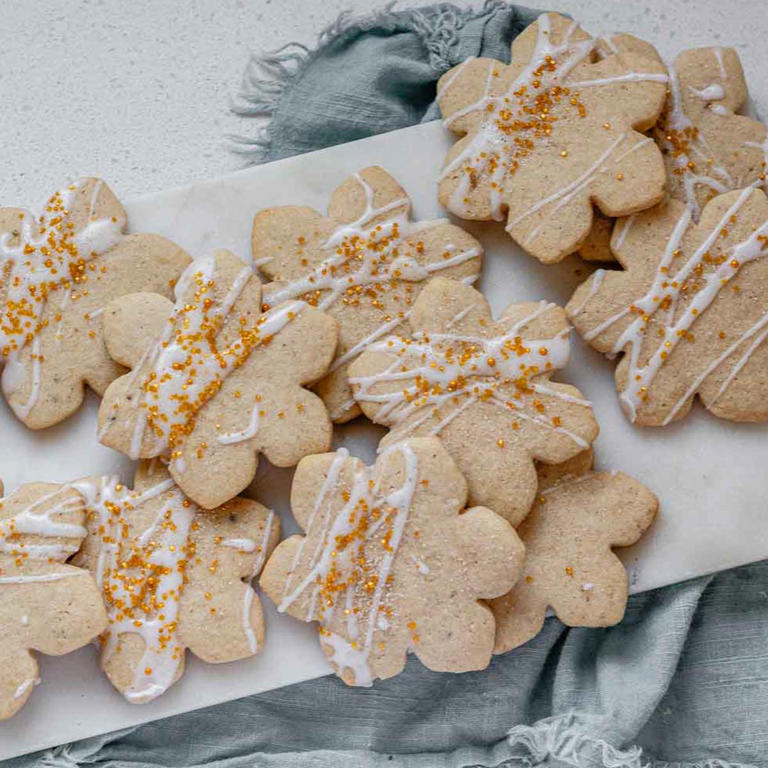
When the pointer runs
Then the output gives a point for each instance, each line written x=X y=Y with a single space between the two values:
x=714 y=91
x=40 y=519
x=597 y=280
x=443 y=374
x=48 y=258
x=364 y=502
x=491 y=152
x=250 y=593
x=29 y=578
x=241 y=545
x=183 y=369
x=30 y=682
x=244 y=434
x=662 y=299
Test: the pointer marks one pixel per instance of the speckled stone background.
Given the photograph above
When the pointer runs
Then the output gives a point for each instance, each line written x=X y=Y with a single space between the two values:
x=138 y=92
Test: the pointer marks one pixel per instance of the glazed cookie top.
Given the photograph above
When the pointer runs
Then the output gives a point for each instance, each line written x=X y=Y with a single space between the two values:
x=45 y=604
x=215 y=380
x=392 y=562
x=57 y=272
x=554 y=131
x=707 y=147
x=688 y=312
x=483 y=387
x=364 y=264
x=172 y=577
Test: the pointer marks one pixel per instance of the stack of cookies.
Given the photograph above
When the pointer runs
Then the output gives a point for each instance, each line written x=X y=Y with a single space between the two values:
x=483 y=509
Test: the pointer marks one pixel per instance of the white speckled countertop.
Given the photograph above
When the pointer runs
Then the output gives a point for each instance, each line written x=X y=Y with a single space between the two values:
x=138 y=92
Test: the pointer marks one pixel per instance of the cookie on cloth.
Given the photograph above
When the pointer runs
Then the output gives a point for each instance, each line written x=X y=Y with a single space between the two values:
x=57 y=273
x=392 y=562
x=215 y=381
x=554 y=132
x=45 y=605
x=483 y=387
x=708 y=147
x=688 y=313
x=570 y=566
x=364 y=264
x=172 y=577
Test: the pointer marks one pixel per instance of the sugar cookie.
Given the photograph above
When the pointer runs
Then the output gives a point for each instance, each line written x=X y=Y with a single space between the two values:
x=56 y=275
x=172 y=577
x=552 y=133
x=392 y=562
x=214 y=380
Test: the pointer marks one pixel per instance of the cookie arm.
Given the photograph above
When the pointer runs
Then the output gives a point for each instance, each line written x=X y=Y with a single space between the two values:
x=461 y=92
x=131 y=322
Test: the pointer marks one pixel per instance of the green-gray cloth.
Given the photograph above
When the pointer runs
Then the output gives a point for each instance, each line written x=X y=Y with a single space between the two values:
x=682 y=681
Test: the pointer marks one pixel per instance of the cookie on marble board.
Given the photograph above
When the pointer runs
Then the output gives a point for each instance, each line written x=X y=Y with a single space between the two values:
x=549 y=135
x=57 y=272
x=215 y=381
x=364 y=264
x=483 y=387
x=173 y=577
x=570 y=567
x=688 y=312
x=392 y=562
x=45 y=605
x=708 y=147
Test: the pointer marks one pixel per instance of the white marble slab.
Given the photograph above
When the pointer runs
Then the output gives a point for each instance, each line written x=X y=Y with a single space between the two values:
x=706 y=472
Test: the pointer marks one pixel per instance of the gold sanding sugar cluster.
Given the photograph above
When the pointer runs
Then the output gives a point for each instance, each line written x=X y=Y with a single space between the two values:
x=131 y=589
x=530 y=113
x=480 y=373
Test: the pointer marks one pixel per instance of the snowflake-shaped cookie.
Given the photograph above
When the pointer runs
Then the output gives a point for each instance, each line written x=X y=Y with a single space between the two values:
x=708 y=148
x=172 y=577
x=364 y=264
x=391 y=562
x=57 y=272
x=569 y=563
x=550 y=134
x=688 y=313
x=45 y=605
x=215 y=381
x=483 y=387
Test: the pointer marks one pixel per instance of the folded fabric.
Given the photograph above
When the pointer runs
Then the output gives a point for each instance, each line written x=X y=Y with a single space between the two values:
x=683 y=680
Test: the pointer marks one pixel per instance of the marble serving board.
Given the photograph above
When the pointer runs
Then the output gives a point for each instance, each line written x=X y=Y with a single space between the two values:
x=714 y=502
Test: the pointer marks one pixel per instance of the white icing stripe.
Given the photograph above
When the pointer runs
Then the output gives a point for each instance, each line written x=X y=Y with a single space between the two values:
x=244 y=434
x=33 y=521
x=627 y=77
x=25 y=686
x=249 y=595
x=241 y=545
x=597 y=281
x=30 y=578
